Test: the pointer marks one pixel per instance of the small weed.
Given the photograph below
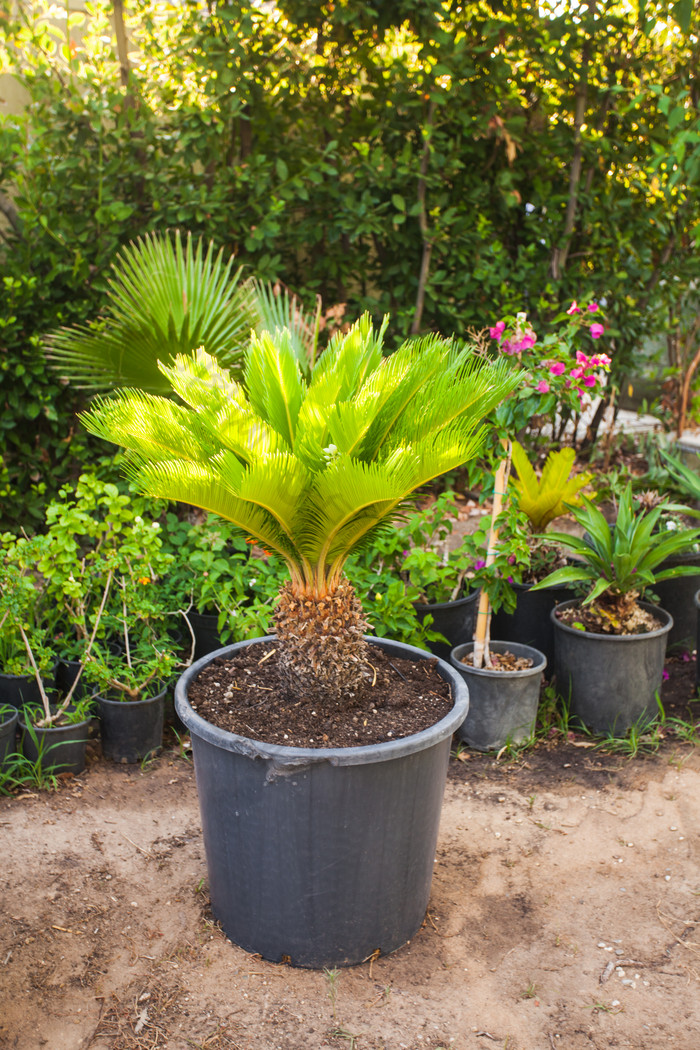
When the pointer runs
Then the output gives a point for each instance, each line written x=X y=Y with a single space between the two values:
x=148 y=759
x=332 y=982
x=531 y=802
x=530 y=992
x=200 y=886
x=644 y=737
x=21 y=772
x=604 y=1008
x=343 y=1033
x=183 y=747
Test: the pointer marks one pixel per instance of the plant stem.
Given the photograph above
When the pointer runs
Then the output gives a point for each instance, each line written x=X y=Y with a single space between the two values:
x=482 y=635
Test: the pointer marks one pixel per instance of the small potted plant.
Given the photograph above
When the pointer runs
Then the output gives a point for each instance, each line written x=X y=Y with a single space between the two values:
x=504 y=677
x=540 y=500
x=312 y=468
x=53 y=728
x=610 y=645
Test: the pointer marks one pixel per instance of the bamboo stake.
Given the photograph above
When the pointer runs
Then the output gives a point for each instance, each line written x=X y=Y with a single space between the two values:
x=482 y=635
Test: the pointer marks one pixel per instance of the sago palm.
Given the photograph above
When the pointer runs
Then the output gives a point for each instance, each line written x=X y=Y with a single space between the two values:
x=168 y=296
x=310 y=468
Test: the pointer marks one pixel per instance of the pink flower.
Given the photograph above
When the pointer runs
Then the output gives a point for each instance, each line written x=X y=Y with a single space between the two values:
x=527 y=341
x=576 y=373
x=542 y=387
x=590 y=381
x=557 y=368
x=600 y=361
x=479 y=564
x=596 y=331
x=592 y=307
x=574 y=308
x=581 y=358
x=665 y=675
x=498 y=329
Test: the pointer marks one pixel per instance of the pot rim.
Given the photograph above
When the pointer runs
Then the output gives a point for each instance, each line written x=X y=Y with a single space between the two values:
x=339 y=756
x=100 y=699
x=5 y=720
x=426 y=607
x=656 y=611
x=517 y=648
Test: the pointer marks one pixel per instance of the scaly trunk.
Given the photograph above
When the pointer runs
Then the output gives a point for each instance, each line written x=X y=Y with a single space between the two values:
x=323 y=652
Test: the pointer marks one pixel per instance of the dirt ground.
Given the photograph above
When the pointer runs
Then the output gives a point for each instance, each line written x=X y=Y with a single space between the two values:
x=565 y=913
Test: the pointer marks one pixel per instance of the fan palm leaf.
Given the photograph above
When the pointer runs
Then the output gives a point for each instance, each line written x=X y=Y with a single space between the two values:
x=169 y=296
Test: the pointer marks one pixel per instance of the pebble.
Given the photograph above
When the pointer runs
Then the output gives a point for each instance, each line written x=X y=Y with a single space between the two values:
x=629 y=983
x=619 y=951
x=667 y=878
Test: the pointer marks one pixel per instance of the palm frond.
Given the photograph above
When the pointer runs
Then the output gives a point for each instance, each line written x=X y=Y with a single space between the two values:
x=153 y=427
x=279 y=311
x=164 y=299
x=274 y=383
x=202 y=383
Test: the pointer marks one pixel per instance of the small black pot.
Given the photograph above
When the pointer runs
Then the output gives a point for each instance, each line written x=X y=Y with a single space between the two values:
x=453 y=619
x=8 y=736
x=66 y=673
x=131 y=729
x=610 y=681
x=206 y=633
x=676 y=596
x=61 y=748
x=530 y=623
x=320 y=855
x=19 y=690
x=502 y=704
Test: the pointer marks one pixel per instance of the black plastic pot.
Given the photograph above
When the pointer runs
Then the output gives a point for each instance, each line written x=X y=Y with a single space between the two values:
x=18 y=690
x=531 y=624
x=320 y=856
x=676 y=596
x=610 y=681
x=8 y=735
x=453 y=619
x=131 y=729
x=61 y=748
x=206 y=633
x=66 y=673
x=502 y=704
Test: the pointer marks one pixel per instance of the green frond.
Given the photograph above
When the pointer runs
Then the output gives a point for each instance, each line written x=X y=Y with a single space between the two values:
x=280 y=311
x=274 y=383
x=349 y=358
x=548 y=497
x=201 y=486
x=202 y=383
x=153 y=427
x=346 y=500
x=164 y=299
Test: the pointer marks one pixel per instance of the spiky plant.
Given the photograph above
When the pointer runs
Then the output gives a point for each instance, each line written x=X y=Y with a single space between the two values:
x=311 y=468
x=618 y=563
x=168 y=297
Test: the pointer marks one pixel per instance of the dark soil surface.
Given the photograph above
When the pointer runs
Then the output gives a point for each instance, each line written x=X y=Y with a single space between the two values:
x=242 y=695
x=600 y=618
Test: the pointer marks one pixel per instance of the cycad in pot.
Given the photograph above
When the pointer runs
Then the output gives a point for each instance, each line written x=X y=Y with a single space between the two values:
x=310 y=468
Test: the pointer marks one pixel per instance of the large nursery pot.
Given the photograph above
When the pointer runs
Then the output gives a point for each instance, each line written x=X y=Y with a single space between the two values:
x=502 y=704
x=455 y=620
x=60 y=748
x=530 y=623
x=320 y=856
x=131 y=730
x=8 y=733
x=610 y=681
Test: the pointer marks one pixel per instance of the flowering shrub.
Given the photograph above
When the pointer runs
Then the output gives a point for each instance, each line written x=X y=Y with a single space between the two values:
x=562 y=371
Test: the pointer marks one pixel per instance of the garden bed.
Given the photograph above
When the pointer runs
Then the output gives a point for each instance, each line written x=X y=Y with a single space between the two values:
x=564 y=913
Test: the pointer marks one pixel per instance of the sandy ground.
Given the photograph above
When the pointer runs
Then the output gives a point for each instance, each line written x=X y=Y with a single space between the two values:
x=565 y=913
